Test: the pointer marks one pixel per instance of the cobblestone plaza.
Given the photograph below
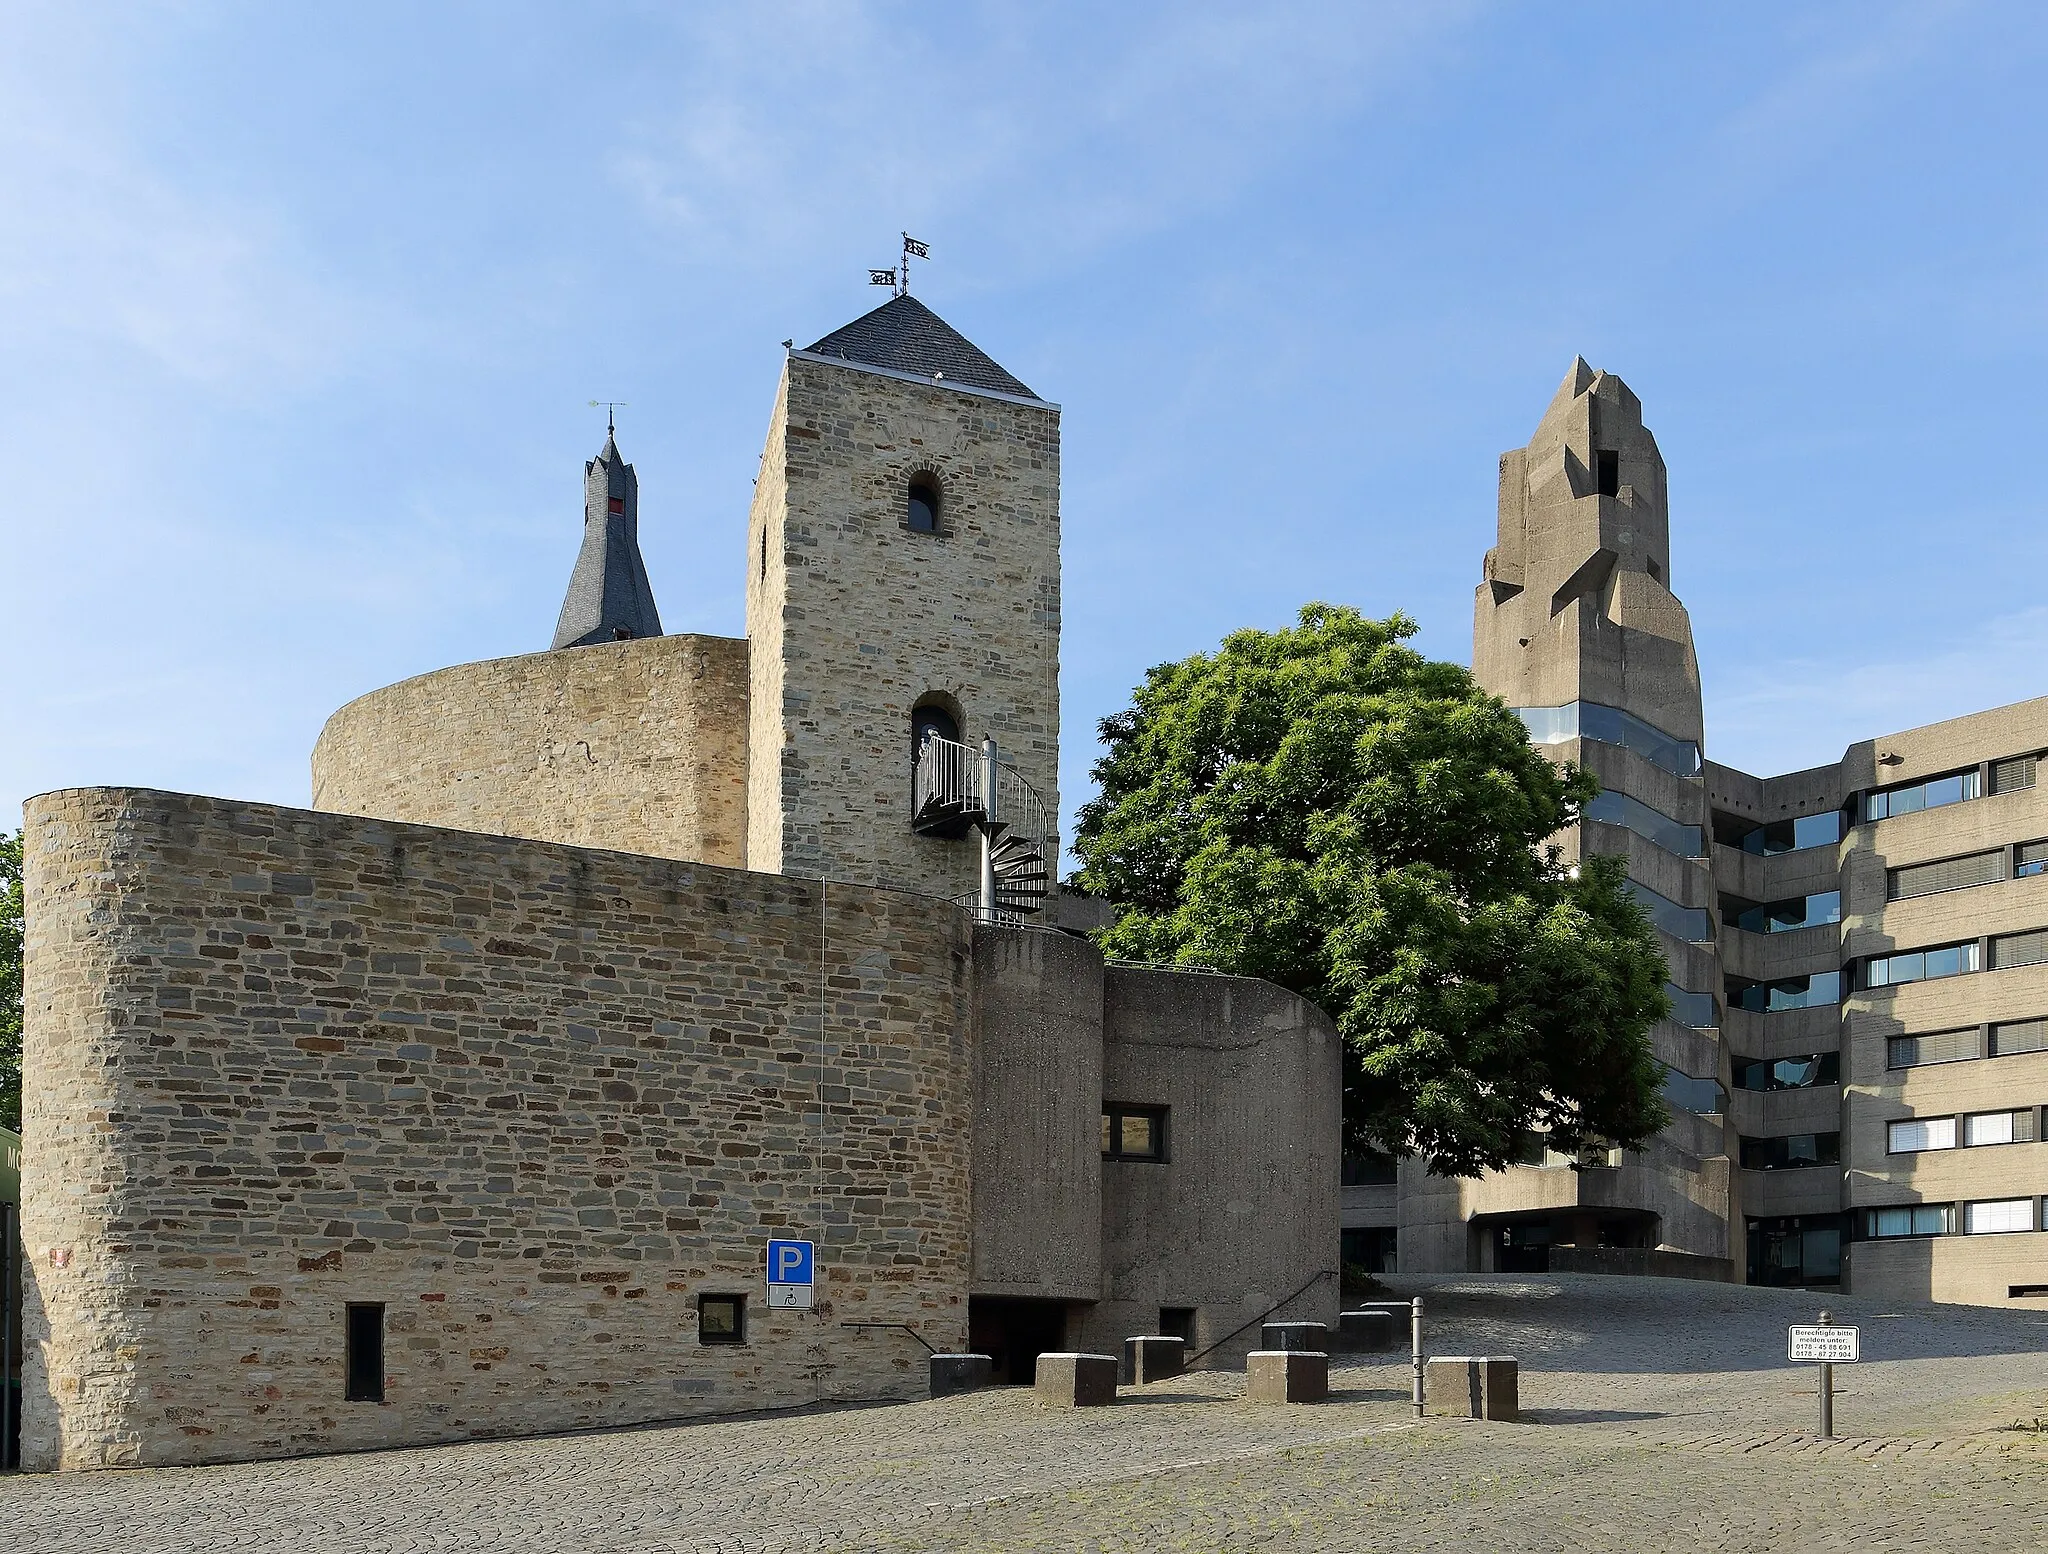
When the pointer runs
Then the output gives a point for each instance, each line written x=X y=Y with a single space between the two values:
x=1660 y=1415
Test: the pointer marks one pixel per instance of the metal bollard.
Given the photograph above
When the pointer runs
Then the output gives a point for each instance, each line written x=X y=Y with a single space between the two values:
x=1415 y=1356
x=1827 y=1388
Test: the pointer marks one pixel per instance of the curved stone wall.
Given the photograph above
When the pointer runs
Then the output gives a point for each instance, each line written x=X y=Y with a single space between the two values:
x=638 y=747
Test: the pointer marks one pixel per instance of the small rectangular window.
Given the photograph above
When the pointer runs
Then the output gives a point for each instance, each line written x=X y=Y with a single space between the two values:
x=1368 y=1168
x=1934 y=1047
x=2010 y=776
x=1928 y=879
x=2012 y=1127
x=1918 y=1219
x=363 y=1351
x=1910 y=798
x=1791 y=1152
x=2019 y=949
x=1134 y=1132
x=1178 y=1322
x=1950 y=960
x=1998 y=1217
x=2018 y=1036
x=1917 y=1134
x=2028 y=859
x=1609 y=464
x=615 y=504
x=721 y=1319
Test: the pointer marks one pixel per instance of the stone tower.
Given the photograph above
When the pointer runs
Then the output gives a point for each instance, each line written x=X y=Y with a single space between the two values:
x=609 y=597
x=903 y=563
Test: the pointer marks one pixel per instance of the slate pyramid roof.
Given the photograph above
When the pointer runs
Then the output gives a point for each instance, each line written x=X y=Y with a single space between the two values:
x=906 y=336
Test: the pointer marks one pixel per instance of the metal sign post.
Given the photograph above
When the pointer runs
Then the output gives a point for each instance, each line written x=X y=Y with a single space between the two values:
x=1826 y=1346
x=1414 y=1310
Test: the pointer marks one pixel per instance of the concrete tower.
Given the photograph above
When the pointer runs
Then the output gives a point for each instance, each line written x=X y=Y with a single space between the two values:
x=609 y=597
x=1575 y=625
x=903 y=563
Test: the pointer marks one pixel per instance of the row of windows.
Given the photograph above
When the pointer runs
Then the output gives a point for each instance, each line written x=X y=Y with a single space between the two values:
x=2011 y=775
x=1782 y=916
x=1971 y=1130
x=1805 y=992
x=2022 y=861
x=1618 y=809
x=1974 y=1041
x=1985 y=1217
x=1681 y=922
x=1821 y=1068
x=721 y=1319
x=1791 y=1151
x=1610 y=725
x=1948 y=960
x=1768 y=838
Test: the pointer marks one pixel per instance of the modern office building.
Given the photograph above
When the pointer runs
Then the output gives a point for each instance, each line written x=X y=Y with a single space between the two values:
x=1858 y=1055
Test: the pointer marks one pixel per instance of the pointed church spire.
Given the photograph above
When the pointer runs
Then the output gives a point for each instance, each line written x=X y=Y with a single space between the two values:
x=609 y=597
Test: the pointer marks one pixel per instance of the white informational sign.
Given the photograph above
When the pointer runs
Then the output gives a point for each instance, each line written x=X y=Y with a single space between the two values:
x=792 y=1275
x=1828 y=1345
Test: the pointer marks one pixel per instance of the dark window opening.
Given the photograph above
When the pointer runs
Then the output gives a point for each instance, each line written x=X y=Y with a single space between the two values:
x=1791 y=1152
x=721 y=1319
x=1656 y=572
x=1178 y=1322
x=616 y=504
x=1610 y=472
x=1134 y=1133
x=363 y=1362
x=622 y=634
x=764 y=555
x=1371 y=1247
x=923 y=515
x=1368 y=1168
x=1013 y=1333
x=1796 y=1250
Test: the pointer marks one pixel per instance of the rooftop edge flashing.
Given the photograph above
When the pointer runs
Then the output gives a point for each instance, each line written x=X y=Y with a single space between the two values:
x=911 y=377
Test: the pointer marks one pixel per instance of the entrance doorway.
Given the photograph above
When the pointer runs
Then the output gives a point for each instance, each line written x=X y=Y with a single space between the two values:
x=1013 y=1333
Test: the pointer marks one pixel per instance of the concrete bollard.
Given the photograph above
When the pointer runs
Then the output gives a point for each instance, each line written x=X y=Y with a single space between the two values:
x=1467 y=1386
x=1153 y=1359
x=1076 y=1380
x=953 y=1373
x=1365 y=1332
x=1286 y=1376
x=1313 y=1337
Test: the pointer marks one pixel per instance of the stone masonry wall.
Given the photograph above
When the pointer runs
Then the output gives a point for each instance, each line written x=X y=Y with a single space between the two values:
x=636 y=746
x=862 y=617
x=535 y=1100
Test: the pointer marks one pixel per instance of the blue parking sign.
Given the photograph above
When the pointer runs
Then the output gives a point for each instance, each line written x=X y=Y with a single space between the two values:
x=791 y=1262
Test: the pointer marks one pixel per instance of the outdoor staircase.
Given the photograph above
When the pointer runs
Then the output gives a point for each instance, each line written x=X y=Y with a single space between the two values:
x=953 y=793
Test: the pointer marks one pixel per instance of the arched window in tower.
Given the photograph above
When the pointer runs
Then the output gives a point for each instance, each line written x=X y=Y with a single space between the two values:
x=929 y=720
x=923 y=516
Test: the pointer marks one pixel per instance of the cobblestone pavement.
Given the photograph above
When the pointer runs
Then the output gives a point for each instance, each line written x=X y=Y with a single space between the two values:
x=1661 y=1416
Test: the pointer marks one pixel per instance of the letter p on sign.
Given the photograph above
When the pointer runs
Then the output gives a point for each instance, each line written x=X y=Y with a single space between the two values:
x=791 y=1262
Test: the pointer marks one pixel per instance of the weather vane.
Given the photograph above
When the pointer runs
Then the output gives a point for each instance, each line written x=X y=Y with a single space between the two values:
x=609 y=406
x=899 y=278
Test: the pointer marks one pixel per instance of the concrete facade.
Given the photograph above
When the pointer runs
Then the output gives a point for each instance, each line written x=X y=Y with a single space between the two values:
x=1798 y=1042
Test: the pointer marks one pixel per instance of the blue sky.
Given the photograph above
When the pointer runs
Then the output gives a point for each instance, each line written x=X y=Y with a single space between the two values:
x=301 y=307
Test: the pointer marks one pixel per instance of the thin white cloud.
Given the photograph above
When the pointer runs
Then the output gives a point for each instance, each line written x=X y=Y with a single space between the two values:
x=1789 y=714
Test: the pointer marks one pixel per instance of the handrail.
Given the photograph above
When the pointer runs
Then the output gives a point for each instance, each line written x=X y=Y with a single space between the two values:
x=904 y=1326
x=1327 y=1273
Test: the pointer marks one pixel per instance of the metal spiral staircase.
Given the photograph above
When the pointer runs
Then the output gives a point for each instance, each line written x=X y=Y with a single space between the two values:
x=958 y=787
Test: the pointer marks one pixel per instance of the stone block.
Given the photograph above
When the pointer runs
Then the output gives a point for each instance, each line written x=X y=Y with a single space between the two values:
x=1287 y=1376
x=1076 y=1380
x=953 y=1373
x=1153 y=1358
x=1313 y=1337
x=1366 y=1332
x=1467 y=1386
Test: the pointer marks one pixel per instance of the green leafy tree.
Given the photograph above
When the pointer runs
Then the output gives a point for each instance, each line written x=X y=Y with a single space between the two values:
x=1325 y=808
x=10 y=981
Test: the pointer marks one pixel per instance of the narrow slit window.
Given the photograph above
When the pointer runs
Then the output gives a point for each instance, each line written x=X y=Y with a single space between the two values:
x=923 y=516
x=1610 y=472
x=364 y=1354
x=615 y=504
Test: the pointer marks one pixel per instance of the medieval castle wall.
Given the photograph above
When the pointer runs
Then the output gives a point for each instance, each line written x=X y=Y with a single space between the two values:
x=636 y=746
x=533 y=1100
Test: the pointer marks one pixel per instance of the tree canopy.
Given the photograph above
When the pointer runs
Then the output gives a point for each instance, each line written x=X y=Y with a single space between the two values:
x=10 y=981
x=1325 y=808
